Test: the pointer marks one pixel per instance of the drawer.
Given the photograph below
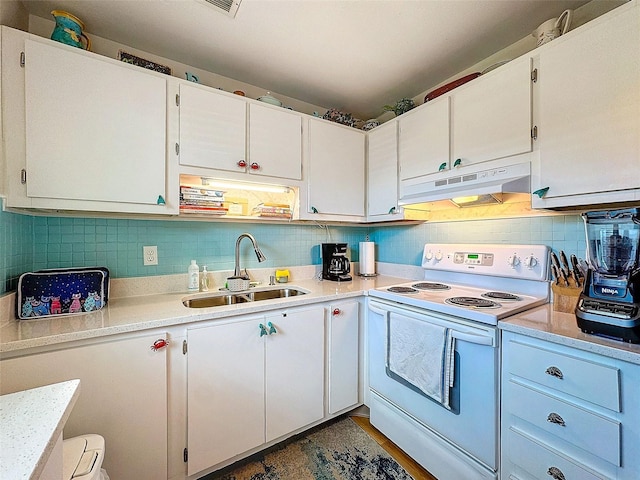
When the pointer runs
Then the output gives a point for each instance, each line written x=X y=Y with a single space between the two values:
x=543 y=463
x=591 y=381
x=587 y=430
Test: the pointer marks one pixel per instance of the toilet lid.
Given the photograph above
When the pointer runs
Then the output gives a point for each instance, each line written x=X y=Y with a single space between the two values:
x=76 y=460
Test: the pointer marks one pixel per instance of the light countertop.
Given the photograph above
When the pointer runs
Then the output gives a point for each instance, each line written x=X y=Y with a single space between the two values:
x=32 y=421
x=144 y=312
x=561 y=328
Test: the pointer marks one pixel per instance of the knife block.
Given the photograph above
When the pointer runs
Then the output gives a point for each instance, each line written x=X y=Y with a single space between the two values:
x=565 y=298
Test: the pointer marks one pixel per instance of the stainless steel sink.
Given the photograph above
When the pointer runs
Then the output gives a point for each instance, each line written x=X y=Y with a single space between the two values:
x=227 y=298
x=277 y=293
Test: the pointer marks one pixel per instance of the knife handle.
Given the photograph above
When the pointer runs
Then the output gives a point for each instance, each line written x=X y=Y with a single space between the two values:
x=554 y=261
x=564 y=263
x=556 y=276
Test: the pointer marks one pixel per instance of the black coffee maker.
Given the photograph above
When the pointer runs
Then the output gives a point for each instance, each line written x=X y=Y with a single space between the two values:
x=610 y=301
x=335 y=264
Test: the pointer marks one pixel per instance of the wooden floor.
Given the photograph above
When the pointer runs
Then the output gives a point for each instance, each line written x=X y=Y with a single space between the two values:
x=412 y=468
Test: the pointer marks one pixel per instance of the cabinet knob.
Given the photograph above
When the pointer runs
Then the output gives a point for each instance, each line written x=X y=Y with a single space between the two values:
x=541 y=192
x=242 y=164
x=554 y=372
x=160 y=200
x=159 y=344
x=272 y=329
x=555 y=418
x=336 y=311
x=393 y=210
x=556 y=473
x=314 y=210
x=458 y=162
x=254 y=166
x=263 y=331
x=443 y=166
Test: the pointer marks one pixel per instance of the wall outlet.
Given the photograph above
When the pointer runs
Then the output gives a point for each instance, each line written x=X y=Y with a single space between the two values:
x=150 y=255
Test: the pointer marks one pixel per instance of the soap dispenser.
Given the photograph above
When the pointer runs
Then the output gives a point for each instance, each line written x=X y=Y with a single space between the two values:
x=204 y=285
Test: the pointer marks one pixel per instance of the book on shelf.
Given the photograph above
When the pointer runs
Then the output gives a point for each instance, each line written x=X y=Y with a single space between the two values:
x=201 y=191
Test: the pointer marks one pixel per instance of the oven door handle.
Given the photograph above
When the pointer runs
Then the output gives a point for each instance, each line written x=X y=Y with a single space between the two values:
x=472 y=338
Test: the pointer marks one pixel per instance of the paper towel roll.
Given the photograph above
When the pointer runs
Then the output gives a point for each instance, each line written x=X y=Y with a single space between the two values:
x=367 y=260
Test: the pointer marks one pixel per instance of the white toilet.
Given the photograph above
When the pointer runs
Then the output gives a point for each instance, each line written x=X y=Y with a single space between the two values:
x=82 y=458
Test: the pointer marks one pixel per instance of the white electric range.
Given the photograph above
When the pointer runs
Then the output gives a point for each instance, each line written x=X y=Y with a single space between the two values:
x=434 y=357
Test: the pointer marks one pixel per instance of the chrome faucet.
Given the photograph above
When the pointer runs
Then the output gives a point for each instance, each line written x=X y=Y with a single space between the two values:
x=259 y=254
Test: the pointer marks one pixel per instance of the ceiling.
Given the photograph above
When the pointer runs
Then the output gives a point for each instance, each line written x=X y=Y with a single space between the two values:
x=354 y=55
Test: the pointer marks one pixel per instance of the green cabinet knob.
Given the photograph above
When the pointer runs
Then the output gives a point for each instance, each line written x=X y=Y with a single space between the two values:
x=392 y=210
x=314 y=210
x=272 y=329
x=457 y=163
x=541 y=192
x=160 y=200
x=263 y=331
x=443 y=166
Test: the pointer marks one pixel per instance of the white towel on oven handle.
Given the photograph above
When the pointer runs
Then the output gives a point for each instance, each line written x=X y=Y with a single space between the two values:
x=422 y=354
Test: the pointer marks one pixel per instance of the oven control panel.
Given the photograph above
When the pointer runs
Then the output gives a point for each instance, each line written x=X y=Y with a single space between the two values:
x=515 y=261
x=485 y=259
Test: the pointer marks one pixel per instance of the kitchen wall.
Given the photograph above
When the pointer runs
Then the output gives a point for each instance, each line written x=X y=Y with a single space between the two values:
x=30 y=243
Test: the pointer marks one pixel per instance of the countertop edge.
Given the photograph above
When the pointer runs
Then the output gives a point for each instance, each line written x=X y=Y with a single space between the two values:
x=57 y=400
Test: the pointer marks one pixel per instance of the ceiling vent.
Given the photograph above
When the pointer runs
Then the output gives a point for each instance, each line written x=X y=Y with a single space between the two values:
x=230 y=7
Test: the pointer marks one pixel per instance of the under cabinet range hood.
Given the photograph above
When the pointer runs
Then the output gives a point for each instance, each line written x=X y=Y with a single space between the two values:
x=476 y=180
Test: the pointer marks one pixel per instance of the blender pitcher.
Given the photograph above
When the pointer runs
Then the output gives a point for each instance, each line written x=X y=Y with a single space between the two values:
x=612 y=247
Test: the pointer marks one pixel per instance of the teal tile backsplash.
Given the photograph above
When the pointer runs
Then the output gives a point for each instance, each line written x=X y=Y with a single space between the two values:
x=29 y=243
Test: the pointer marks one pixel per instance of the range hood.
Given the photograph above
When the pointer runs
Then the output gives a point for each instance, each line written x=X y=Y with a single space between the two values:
x=473 y=180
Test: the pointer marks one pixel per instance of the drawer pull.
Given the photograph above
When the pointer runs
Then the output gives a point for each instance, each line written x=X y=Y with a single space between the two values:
x=556 y=473
x=557 y=419
x=554 y=372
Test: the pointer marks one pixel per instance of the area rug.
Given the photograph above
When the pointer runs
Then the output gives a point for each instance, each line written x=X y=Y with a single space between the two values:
x=339 y=451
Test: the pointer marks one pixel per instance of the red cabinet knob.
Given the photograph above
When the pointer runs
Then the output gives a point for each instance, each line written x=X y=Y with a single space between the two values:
x=255 y=166
x=336 y=311
x=242 y=163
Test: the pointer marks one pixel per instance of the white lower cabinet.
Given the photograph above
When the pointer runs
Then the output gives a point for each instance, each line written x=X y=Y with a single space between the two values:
x=252 y=381
x=123 y=397
x=567 y=413
x=343 y=360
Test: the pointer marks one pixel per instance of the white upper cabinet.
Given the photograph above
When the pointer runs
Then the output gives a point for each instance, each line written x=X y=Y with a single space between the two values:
x=423 y=145
x=491 y=116
x=224 y=132
x=589 y=114
x=275 y=142
x=336 y=180
x=212 y=129
x=382 y=170
x=82 y=132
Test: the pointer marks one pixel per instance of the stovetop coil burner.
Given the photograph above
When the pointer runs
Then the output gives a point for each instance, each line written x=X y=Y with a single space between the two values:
x=431 y=286
x=505 y=296
x=402 y=290
x=474 y=302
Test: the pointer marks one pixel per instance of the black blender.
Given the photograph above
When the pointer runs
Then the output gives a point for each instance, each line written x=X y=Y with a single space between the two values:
x=610 y=301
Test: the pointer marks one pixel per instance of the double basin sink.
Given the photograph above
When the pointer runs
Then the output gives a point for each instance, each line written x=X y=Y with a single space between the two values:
x=230 y=298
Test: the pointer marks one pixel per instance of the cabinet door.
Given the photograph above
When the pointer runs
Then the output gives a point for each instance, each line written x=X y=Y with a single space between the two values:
x=225 y=392
x=212 y=129
x=382 y=169
x=94 y=130
x=336 y=169
x=344 y=365
x=589 y=127
x=294 y=374
x=275 y=142
x=123 y=397
x=491 y=116
x=423 y=139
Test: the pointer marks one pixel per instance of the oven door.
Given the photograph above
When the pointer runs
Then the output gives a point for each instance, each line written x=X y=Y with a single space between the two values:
x=472 y=422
